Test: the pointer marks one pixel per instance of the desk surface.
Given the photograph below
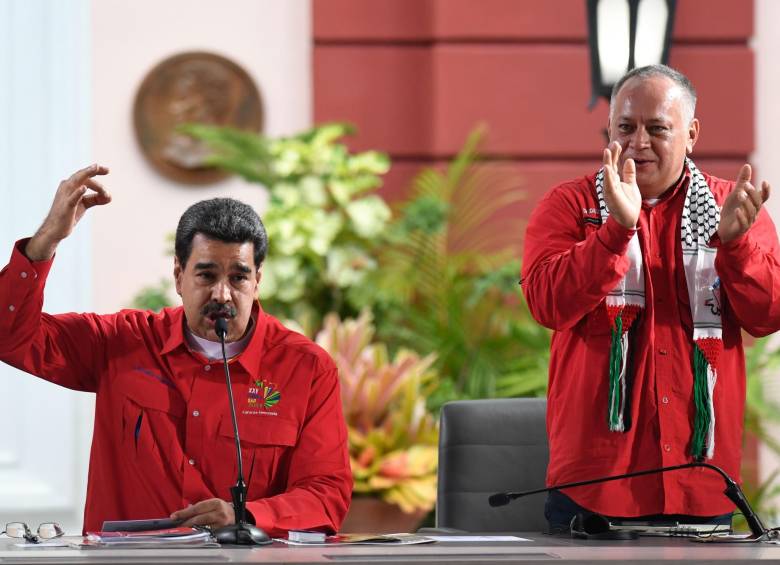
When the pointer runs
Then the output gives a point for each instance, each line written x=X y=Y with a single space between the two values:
x=541 y=549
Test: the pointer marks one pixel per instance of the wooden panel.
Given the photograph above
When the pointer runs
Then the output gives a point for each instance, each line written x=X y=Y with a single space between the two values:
x=534 y=99
x=523 y=20
x=389 y=20
x=725 y=107
x=385 y=92
x=422 y=102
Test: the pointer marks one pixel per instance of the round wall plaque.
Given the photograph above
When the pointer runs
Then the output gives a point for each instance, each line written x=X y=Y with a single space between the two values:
x=192 y=87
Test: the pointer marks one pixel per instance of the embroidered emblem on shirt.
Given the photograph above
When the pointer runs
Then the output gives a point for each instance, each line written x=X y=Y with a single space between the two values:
x=591 y=216
x=263 y=394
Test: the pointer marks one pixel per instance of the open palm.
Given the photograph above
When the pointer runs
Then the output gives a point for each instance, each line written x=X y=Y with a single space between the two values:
x=622 y=195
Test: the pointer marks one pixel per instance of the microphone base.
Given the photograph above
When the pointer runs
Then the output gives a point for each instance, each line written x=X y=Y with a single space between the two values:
x=242 y=534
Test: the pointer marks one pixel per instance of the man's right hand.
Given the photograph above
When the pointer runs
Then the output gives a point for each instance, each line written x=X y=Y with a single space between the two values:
x=622 y=196
x=70 y=203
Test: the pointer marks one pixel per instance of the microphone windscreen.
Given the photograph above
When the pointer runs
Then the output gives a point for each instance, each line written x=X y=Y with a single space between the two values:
x=499 y=499
x=220 y=326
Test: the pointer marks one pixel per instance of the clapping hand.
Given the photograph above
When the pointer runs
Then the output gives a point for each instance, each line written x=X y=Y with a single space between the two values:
x=741 y=207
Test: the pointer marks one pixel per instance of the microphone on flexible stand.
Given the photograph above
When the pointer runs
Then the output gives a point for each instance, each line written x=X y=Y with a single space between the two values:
x=759 y=532
x=240 y=533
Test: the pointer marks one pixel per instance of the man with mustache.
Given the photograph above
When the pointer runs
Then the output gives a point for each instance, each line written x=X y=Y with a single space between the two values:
x=163 y=442
x=647 y=271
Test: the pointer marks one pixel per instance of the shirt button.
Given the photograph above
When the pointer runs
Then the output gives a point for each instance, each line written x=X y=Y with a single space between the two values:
x=195 y=413
x=665 y=400
x=207 y=368
x=667 y=447
x=11 y=308
x=191 y=461
x=662 y=351
x=23 y=275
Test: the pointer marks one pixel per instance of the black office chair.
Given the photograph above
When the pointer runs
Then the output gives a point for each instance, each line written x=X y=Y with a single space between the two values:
x=488 y=446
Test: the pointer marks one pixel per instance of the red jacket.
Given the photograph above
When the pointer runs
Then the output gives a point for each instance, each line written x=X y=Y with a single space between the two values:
x=163 y=436
x=571 y=261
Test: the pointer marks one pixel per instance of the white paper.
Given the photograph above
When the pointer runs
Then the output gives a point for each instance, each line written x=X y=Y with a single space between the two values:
x=43 y=544
x=476 y=538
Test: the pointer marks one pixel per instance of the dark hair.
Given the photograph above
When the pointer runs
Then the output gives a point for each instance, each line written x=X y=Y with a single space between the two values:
x=649 y=71
x=222 y=219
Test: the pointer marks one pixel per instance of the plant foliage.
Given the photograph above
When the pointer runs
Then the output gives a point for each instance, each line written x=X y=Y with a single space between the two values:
x=392 y=436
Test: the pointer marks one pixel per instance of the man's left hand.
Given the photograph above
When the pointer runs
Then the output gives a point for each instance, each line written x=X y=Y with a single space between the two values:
x=214 y=513
x=741 y=207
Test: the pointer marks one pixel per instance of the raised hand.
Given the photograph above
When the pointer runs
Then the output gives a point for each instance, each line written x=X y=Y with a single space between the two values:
x=622 y=196
x=74 y=196
x=741 y=207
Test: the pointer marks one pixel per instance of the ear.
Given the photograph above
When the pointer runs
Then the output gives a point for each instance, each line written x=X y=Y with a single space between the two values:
x=178 y=272
x=259 y=274
x=693 y=136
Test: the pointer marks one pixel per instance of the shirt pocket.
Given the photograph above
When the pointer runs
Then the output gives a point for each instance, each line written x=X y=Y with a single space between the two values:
x=152 y=412
x=266 y=443
x=597 y=322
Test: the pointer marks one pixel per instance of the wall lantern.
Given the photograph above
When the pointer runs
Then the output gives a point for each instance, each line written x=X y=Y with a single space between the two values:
x=623 y=34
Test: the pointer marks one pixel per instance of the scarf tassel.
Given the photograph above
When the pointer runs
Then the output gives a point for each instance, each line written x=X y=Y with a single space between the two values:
x=617 y=375
x=704 y=378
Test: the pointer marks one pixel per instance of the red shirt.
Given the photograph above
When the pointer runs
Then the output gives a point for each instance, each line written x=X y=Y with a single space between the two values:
x=571 y=262
x=163 y=436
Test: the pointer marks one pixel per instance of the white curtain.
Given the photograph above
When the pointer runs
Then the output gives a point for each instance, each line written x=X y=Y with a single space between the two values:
x=45 y=87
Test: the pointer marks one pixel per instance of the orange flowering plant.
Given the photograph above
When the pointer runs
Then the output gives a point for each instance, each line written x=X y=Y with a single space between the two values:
x=393 y=437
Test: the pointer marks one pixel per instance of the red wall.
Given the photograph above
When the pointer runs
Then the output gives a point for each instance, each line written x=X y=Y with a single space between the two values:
x=415 y=76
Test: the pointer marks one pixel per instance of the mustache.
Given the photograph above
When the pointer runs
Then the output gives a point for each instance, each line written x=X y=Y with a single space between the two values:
x=217 y=310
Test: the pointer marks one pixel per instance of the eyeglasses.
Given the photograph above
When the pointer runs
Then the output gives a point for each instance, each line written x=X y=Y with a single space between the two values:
x=47 y=530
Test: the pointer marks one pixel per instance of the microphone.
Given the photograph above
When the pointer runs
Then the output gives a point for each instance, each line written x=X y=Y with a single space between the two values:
x=759 y=532
x=240 y=533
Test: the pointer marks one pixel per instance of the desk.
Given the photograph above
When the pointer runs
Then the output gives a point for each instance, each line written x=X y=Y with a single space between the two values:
x=541 y=549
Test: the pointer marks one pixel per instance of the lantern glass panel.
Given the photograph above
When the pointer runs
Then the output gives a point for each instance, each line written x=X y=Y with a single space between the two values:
x=651 y=31
x=613 y=39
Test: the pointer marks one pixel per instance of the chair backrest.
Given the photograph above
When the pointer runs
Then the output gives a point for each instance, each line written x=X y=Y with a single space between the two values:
x=489 y=446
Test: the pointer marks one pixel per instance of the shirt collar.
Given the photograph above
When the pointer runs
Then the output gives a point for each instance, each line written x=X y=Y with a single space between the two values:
x=674 y=189
x=212 y=350
x=249 y=358
x=175 y=331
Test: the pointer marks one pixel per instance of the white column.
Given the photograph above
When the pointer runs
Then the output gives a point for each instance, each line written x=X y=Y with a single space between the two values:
x=45 y=88
x=766 y=44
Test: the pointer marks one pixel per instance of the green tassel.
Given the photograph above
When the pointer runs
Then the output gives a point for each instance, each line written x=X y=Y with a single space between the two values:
x=615 y=365
x=701 y=421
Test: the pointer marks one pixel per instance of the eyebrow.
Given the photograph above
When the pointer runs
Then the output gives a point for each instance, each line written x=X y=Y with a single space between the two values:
x=656 y=120
x=211 y=265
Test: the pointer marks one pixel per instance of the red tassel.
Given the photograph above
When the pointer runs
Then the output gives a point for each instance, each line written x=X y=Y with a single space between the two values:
x=711 y=348
x=627 y=313
x=630 y=313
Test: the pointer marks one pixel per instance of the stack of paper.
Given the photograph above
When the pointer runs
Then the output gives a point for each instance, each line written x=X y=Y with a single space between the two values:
x=360 y=539
x=166 y=538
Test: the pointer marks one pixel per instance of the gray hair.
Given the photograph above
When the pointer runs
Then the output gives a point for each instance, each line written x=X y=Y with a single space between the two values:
x=651 y=71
